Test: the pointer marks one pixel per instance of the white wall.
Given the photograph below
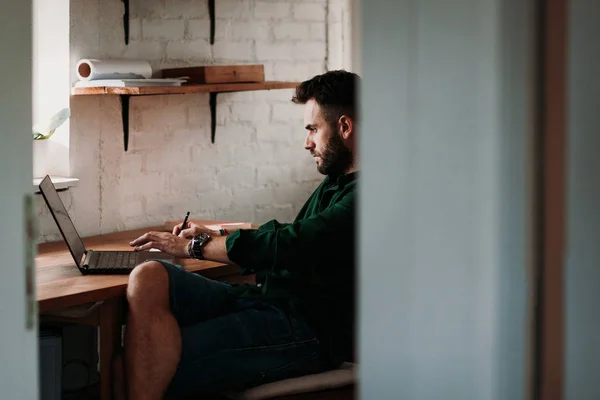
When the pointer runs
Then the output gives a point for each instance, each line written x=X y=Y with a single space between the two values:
x=582 y=275
x=340 y=17
x=443 y=305
x=18 y=345
x=256 y=170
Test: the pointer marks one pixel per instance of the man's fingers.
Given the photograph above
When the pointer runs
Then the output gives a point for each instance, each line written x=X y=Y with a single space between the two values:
x=147 y=246
x=177 y=228
x=140 y=240
x=187 y=233
x=143 y=239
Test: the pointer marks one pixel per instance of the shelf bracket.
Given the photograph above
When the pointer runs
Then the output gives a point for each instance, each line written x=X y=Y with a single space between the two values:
x=125 y=118
x=213 y=115
x=211 y=14
x=126 y=21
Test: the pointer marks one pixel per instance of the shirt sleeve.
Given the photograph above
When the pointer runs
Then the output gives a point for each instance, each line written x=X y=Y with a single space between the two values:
x=272 y=225
x=292 y=246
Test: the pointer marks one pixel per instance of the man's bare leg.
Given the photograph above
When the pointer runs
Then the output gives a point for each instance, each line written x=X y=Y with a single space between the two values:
x=153 y=338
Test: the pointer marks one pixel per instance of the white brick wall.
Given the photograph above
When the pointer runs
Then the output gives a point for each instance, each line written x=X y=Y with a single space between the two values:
x=272 y=10
x=256 y=170
x=309 y=12
x=245 y=30
x=266 y=52
x=168 y=29
x=183 y=9
x=293 y=30
x=233 y=9
x=188 y=50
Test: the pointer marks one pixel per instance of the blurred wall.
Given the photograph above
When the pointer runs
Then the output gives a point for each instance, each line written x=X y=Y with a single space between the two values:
x=582 y=275
x=444 y=198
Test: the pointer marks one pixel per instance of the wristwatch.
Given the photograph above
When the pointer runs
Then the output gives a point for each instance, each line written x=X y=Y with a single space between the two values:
x=196 y=244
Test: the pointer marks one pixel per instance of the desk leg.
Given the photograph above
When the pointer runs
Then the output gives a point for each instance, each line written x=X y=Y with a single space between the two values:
x=110 y=340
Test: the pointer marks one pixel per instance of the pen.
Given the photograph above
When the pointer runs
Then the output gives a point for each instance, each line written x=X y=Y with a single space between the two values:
x=185 y=221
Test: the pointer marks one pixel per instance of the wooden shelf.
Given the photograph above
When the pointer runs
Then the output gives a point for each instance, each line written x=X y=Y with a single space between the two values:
x=213 y=89
x=207 y=88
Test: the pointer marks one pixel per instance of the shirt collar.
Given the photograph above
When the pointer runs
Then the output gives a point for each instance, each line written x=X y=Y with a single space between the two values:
x=343 y=180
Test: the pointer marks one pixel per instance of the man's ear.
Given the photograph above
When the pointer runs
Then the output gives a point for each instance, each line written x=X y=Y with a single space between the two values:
x=345 y=126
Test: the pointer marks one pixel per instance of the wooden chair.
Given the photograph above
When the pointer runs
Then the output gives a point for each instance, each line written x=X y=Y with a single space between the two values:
x=335 y=384
x=338 y=384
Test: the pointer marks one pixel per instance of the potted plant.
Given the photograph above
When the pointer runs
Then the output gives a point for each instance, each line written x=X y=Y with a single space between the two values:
x=44 y=150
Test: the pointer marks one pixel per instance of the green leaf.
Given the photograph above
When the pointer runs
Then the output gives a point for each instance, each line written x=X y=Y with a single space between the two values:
x=47 y=128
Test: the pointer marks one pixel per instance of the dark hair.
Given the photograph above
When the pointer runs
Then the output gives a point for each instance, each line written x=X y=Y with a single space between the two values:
x=334 y=91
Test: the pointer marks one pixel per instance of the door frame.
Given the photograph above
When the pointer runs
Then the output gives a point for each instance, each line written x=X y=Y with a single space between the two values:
x=549 y=345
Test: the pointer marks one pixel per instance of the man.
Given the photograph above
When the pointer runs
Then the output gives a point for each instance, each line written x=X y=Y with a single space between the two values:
x=187 y=334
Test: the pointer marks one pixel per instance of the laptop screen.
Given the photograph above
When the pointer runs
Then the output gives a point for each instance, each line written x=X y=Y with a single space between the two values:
x=65 y=225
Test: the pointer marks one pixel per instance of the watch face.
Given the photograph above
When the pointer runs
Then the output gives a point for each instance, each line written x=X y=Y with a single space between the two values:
x=204 y=237
x=199 y=242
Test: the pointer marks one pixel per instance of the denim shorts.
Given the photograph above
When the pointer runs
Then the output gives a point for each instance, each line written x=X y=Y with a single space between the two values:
x=231 y=343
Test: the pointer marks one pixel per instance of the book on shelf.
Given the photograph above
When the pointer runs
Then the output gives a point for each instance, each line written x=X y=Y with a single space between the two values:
x=129 y=83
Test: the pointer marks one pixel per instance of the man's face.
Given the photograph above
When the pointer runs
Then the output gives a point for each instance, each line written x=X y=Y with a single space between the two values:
x=324 y=142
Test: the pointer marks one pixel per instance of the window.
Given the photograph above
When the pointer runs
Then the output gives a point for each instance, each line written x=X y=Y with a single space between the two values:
x=51 y=84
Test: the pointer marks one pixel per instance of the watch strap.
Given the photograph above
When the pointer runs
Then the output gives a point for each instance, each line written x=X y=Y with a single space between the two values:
x=197 y=244
x=189 y=248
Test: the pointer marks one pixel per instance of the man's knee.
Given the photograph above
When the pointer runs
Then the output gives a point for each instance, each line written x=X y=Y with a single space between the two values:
x=148 y=283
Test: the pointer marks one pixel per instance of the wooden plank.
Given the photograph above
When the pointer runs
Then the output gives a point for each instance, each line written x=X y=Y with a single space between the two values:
x=208 y=88
x=60 y=284
x=63 y=286
x=218 y=73
x=168 y=226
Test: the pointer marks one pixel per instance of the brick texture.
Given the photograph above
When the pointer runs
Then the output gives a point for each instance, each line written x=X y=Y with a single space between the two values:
x=303 y=11
x=257 y=169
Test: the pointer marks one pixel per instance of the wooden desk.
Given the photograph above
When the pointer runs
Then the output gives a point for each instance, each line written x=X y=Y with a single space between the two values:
x=60 y=285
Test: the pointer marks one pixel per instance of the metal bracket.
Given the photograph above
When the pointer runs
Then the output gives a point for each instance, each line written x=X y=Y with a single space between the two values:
x=125 y=118
x=213 y=115
x=211 y=14
x=126 y=20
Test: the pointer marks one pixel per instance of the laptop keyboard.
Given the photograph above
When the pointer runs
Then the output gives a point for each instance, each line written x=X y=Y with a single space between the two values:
x=116 y=259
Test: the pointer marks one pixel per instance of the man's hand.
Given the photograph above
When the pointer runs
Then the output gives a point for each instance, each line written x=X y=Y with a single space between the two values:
x=163 y=241
x=192 y=230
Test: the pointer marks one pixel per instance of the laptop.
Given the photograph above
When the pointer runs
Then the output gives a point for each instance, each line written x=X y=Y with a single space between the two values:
x=90 y=261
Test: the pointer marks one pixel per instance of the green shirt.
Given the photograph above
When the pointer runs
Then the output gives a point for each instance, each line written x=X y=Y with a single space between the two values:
x=307 y=268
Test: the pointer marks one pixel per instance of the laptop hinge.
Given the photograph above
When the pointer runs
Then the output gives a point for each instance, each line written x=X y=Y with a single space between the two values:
x=83 y=261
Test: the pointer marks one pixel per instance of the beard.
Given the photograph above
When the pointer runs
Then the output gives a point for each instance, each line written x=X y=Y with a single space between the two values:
x=336 y=158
